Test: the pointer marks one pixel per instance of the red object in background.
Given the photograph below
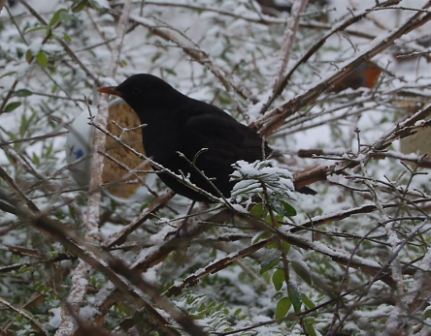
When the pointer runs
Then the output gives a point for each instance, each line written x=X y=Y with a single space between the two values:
x=365 y=75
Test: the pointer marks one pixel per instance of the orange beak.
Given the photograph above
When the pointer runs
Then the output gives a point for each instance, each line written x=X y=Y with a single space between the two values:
x=109 y=90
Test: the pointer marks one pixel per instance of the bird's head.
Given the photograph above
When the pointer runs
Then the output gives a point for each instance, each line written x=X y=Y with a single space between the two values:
x=142 y=90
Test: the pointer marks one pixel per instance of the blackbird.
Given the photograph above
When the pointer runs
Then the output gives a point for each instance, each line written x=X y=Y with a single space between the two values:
x=207 y=136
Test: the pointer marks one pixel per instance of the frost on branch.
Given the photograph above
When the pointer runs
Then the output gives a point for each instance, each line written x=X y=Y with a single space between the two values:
x=264 y=178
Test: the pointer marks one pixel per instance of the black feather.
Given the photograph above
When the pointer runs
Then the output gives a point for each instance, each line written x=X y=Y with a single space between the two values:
x=177 y=123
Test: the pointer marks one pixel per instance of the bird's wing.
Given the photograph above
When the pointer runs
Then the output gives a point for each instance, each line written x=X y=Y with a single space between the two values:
x=225 y=138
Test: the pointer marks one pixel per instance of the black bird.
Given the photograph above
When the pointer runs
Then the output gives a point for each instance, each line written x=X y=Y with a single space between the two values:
x=177 y=124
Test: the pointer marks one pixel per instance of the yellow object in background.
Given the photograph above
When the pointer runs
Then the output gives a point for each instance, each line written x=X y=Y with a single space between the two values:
x=420 y=141
x=124 y=122
x=117 y=178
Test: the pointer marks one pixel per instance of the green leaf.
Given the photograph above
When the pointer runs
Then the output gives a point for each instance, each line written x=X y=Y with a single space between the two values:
x=42 y=59
x=97 y=4
x=79 y=6
x=72 y=212
x=59 y=214
x=11 y=106
x=224 y=99
x=309 y=326
x=22 y=93
x=57 y=17
x=301 y=271
x=295 y=297
x=282 y=308
x=262 y=236
x=278 y=278
x=48 y=150
x=26 y=123
x=123 y=63
x=35 y=158
x=35 y=29
x=29 y=56
x=268 y=264
x=289 y=210
x=279 y=219
x=67 y=38
x=170 y=71
x=307 y=301
x=258 y=210
x=156 y=56
x=284 y=246
x=268 y=219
